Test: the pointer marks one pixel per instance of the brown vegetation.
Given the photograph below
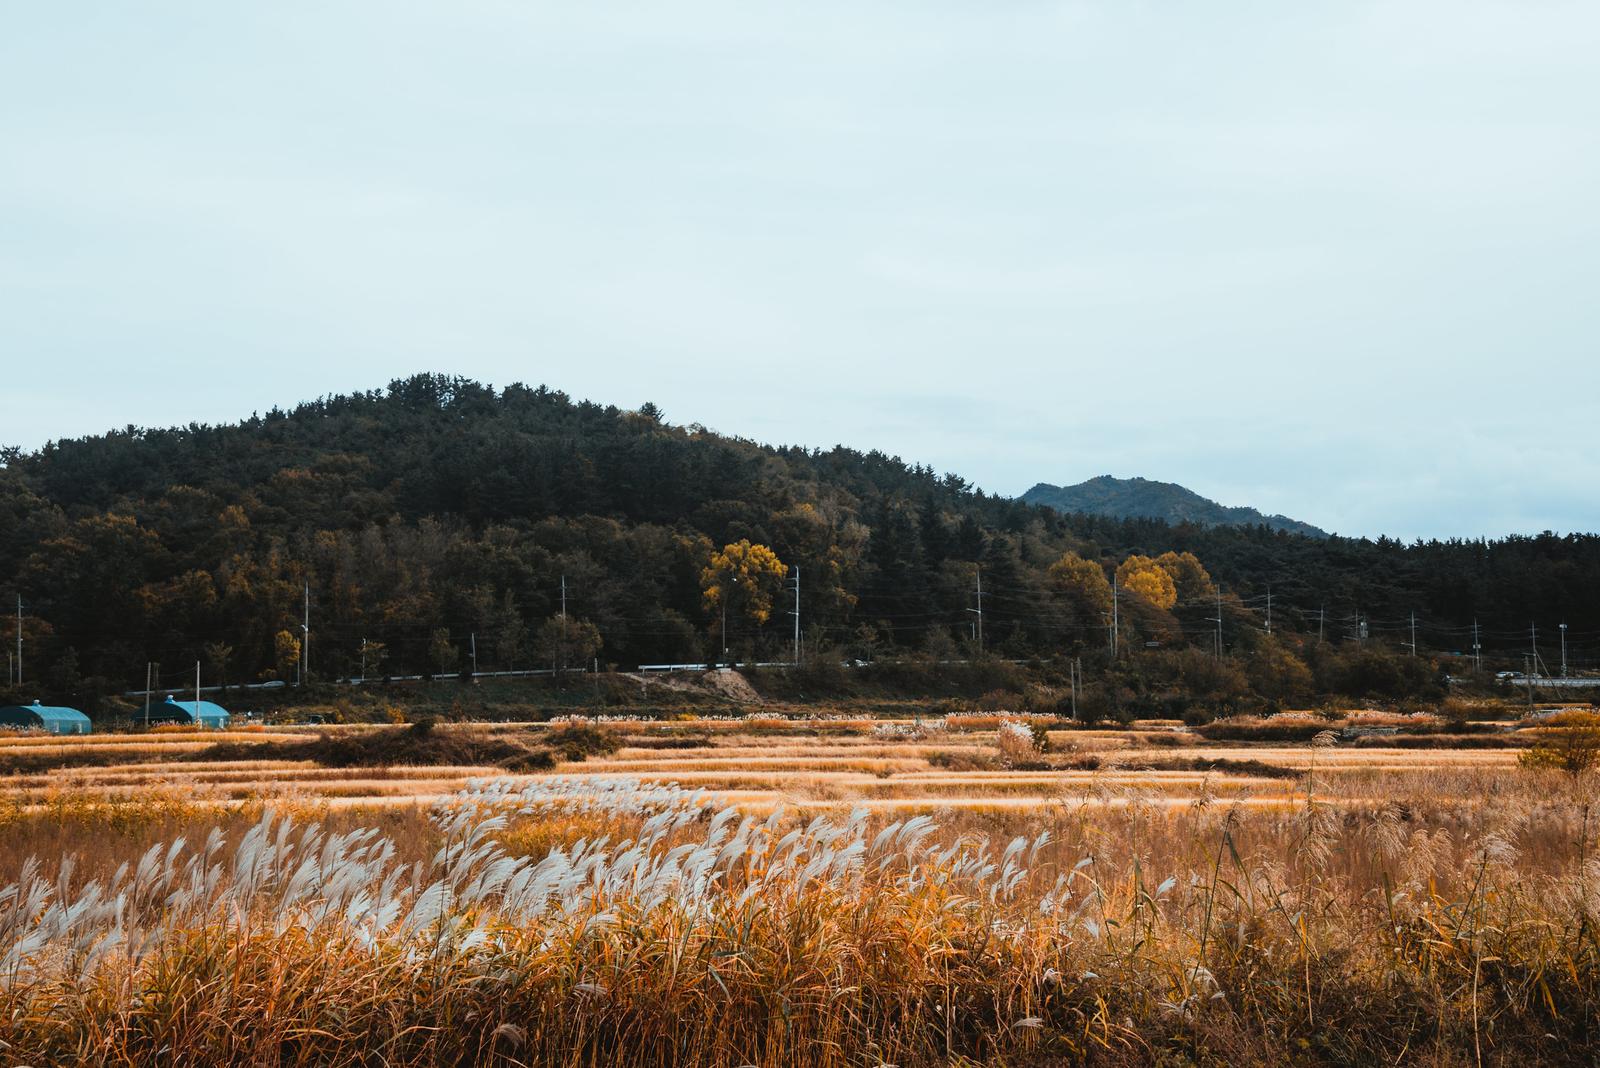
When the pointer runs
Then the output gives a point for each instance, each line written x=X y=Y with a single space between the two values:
x=1252 y=904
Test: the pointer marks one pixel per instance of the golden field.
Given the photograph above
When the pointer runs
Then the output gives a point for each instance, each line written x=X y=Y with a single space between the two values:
x=797 y=890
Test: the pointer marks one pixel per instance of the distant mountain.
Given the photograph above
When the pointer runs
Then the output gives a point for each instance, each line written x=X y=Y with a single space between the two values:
x=1140 y=498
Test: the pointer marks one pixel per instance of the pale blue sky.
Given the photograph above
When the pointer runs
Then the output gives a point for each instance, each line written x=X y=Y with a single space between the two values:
x=1339 y=261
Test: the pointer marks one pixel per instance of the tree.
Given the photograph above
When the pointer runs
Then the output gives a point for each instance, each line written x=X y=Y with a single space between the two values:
x=218 y=655
x=1275 y=672
x=373 y=654
x=65 y=673
x=510 y=632
x=562 y=641
x=1143 y=576
x=1084 y=584
x=868 y=640
x=442 y=653
x=829 y=554
x=742 y=580
x=286 y=653
x=1189 y=576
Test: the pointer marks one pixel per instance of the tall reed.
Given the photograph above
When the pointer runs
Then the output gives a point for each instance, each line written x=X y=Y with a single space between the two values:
x=696 y=935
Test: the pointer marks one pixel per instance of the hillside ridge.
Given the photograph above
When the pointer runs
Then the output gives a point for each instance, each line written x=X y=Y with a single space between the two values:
x=1143 y=498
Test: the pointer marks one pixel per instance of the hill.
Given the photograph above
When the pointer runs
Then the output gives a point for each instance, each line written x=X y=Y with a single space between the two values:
x=441 y=524
x=1141 y=498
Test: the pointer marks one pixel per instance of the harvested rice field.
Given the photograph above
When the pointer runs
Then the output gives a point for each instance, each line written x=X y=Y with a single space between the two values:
x=813 y=890
x=812 y=764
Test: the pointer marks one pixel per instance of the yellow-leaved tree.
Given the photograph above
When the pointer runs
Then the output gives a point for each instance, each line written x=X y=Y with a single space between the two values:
x=1148 y=579
x=1085 y=585
x=1189 y=576
x=742 y=578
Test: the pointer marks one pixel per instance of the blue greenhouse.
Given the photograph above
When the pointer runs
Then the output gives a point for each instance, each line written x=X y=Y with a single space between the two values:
x=194 y=713
x=53 y=718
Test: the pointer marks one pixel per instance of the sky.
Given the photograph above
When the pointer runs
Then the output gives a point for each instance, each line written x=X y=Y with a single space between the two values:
x=1336 y=261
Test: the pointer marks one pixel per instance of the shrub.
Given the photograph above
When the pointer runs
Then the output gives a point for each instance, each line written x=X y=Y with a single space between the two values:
x=1047 y=701
x=962 y=760
x=1000 y=701
x=1016 y=744
x=580 y=741
x=1568 y=741
x=1040 y=730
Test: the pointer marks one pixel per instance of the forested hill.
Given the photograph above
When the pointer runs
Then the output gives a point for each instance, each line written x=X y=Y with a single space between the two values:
x=440 y=514
x=1141 y=498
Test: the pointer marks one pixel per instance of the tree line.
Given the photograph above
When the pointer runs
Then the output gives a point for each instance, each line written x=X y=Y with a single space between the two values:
x=440 y=517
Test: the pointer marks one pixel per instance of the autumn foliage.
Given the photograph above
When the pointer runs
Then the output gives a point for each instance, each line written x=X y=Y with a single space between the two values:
x=743 y=578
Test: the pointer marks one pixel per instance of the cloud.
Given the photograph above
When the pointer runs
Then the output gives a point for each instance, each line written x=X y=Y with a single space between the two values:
x=1330 y=262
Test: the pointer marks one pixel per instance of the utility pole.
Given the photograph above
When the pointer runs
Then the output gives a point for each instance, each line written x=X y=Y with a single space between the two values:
x=1269 y=610
x=1116 y=614
x=1219 y=622
x=197 y=691
x=474 y=640
x=363 y=660
x=19 y=639
x=796 y=614
x=1477 y=646
x=305 y=641
x=1074 y=676
x=1413 y=634
x=1563 y=650
x=978 y=633
x=564 y=624
x=147 y=666
x=1527 y=677
x=1533 y=642
x=1322 y=619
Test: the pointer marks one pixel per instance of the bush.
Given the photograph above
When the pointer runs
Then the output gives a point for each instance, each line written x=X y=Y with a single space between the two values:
x=1568 y=741
x=1280 y=728
x=961 y=760
x=1455 y=713
x=1047 y=701
x=1041 y=735
x=1000 y=701
x=579 y=741
x=1018 y=744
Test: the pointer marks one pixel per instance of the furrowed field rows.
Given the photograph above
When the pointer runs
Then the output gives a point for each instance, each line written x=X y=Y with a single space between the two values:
x=901 y=764
x=999 y=866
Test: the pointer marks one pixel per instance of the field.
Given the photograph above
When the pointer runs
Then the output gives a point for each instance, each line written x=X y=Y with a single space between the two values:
x=799 y=889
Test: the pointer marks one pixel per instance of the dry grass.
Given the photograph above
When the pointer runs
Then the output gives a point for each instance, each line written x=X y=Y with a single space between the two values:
x=830 y=900
x=1140 y=933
